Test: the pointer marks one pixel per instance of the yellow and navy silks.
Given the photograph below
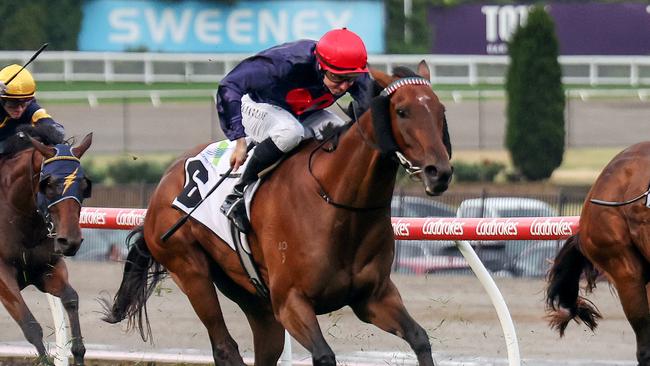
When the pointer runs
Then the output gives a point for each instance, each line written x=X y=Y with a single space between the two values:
x=33 y=115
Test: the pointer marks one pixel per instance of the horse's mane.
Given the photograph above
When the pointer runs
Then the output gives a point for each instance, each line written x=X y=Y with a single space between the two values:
x=399 y=72
x=46 y=134
x=404 y=72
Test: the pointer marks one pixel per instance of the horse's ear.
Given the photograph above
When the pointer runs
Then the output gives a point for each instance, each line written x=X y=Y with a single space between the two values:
x=47 y=151
x=380 y=77
x=423 y=70
x=80 y=149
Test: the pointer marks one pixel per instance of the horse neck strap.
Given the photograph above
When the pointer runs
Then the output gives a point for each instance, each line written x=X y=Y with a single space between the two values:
x=412 y=80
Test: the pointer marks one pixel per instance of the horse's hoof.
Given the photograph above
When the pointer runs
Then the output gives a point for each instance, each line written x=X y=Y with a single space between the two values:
x=44 y=361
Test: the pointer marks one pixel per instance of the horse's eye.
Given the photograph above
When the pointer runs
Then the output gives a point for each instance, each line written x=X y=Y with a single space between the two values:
x=401 y=113
x=50 y=188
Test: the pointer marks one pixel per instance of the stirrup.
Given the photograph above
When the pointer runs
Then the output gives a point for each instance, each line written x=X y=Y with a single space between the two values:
x=237 y=215
x=230 y=201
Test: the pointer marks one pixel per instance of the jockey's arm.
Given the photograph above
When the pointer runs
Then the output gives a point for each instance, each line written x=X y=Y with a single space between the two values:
x=40 y=116
x=254 y=73
x=361 y=92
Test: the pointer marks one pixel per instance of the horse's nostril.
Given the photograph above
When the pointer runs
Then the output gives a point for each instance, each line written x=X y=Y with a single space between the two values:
x=430 y=171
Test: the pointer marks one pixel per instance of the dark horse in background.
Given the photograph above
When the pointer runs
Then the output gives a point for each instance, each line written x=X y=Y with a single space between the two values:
x=614 y=240
x=41 y=190
x=322 y=233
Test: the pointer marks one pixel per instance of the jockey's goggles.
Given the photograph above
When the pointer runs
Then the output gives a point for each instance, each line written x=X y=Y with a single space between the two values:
x=15 y=103
x=341 y=78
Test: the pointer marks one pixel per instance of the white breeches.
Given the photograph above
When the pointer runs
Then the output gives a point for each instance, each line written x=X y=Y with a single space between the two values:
x=262 y=120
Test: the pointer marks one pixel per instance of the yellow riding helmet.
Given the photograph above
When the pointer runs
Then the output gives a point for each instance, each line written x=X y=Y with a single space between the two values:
x=22 y=86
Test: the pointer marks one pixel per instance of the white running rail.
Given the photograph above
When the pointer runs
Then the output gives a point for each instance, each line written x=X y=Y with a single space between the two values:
x=196 y=67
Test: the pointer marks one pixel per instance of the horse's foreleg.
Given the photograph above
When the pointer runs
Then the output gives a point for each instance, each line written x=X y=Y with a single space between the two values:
x=268 y=333
x=15 y=305
x=386 y=311
x=56 y=283
x=268 y=337
x=297 y=315
x=194 y=280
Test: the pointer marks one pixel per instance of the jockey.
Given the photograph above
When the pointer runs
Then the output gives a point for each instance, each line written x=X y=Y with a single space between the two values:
x=277 y=98
x=19 y=106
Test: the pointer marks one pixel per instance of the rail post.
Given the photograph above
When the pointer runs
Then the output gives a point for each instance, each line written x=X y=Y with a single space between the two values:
x=62 y=351
x=512 y=345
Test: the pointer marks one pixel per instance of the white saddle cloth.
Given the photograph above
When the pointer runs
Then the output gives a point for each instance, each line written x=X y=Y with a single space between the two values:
x=201 y=174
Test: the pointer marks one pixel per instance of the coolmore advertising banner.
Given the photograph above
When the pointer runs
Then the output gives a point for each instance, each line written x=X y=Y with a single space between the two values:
x=581 y=28
x=202 y=26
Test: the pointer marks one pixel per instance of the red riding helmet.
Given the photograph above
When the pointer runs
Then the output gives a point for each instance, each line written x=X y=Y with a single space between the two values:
x=342 y=52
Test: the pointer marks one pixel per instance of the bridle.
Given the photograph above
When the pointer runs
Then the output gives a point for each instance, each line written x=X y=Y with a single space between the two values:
x=412 y=170
x=69 y=168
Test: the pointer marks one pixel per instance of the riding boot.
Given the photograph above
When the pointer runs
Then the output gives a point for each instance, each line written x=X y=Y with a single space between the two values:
x=264 y=155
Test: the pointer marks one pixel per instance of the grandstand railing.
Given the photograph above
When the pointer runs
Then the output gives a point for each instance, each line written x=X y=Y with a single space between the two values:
x=191 y=67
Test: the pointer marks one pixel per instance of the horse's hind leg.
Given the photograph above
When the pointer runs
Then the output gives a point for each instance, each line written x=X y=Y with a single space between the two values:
x=194 y=280
x=56 y=283
x=15 y=305
x=386 y=310
x=626 y=270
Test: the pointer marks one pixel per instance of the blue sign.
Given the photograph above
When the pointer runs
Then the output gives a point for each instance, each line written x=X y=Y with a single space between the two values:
x=244 y=27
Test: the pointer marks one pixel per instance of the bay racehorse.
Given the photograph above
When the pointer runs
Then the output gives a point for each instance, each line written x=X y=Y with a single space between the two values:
x=322 y=233
x=42 y=188
x=613 y=240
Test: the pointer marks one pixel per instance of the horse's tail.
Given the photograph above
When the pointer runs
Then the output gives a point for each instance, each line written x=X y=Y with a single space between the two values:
x=563 y=302
x=141 y=275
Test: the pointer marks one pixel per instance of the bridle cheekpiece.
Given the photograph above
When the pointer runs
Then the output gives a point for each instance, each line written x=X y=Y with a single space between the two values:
x=411 y=170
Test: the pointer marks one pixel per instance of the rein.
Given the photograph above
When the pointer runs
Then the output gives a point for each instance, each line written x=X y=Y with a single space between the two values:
x=321 y=190
x=33 y=175
x=47 y=218
x=411 y=169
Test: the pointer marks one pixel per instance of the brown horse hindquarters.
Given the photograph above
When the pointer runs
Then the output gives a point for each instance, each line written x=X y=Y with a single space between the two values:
x=197 y=260
x=616 y=240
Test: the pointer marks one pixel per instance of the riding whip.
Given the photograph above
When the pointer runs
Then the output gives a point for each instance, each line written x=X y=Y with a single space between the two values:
x=28 y=62
x=185 y=217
